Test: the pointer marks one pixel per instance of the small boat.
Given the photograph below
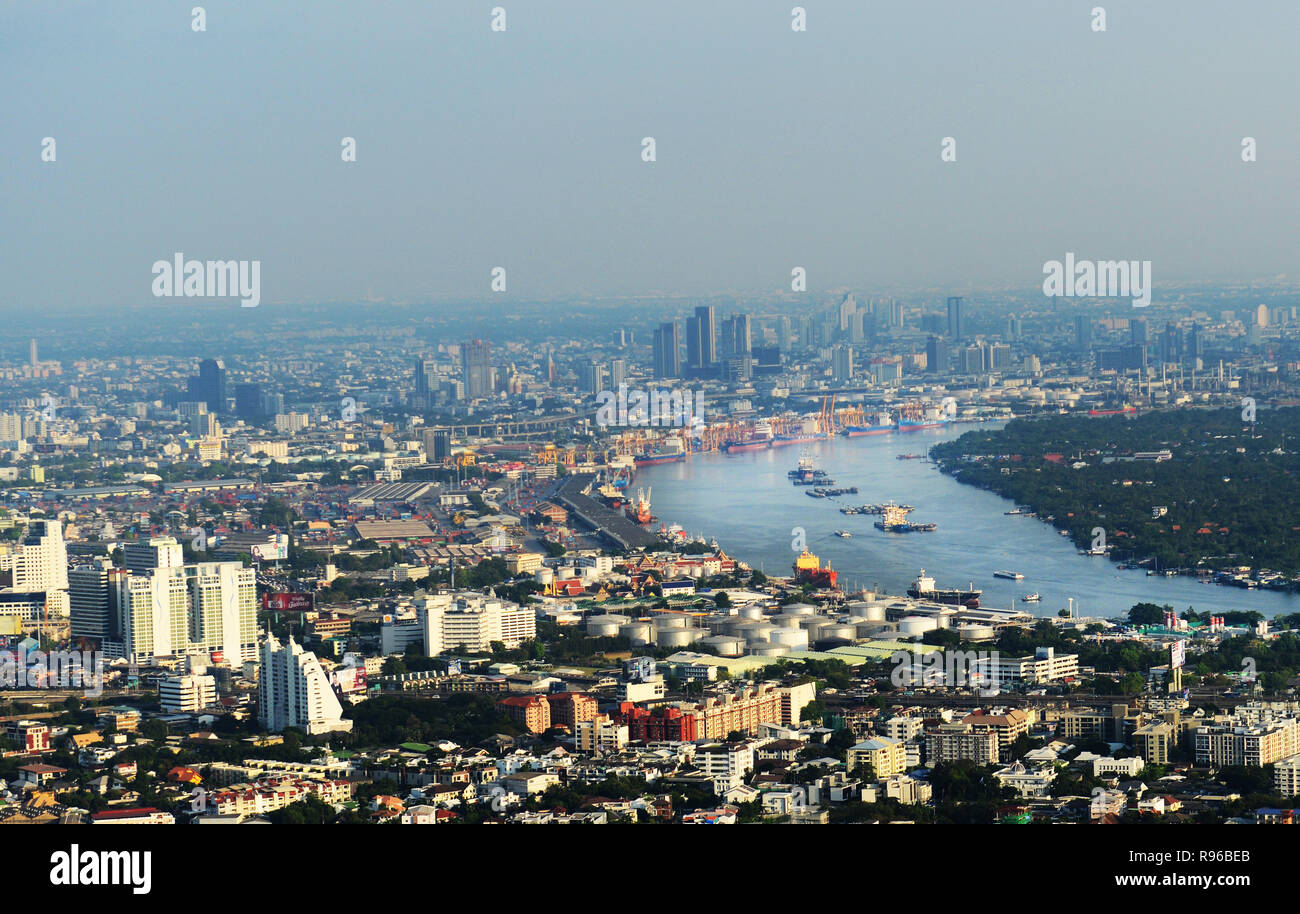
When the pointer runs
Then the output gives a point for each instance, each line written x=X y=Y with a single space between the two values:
x=843 y=533
x=1031 y=598
x=1009 y=575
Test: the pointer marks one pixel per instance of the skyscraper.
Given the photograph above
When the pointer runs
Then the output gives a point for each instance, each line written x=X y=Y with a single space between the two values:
x=210 y=385
x=476 y=365
x=667 y=352
x=617 y=373
x=294 y=691
x=936 y=355
x=955 y=329
x=424 y=370
x=842 y=363
x=1082 y=332
x=701 y=342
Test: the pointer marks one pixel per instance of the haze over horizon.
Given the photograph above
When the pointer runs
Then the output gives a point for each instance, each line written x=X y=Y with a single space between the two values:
x=522 y=148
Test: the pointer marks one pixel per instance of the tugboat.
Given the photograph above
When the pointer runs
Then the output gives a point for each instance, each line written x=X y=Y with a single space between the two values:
x=1031 y=598
x=923 y=589
x=1009 y=575
x=843 y=533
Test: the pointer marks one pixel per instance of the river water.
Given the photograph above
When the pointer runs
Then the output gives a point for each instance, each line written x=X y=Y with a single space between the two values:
x=747 y=503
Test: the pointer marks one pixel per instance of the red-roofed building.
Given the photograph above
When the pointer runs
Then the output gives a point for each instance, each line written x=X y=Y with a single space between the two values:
x=140 y=815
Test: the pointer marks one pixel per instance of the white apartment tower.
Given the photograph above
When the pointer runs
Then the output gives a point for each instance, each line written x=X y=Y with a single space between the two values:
x=294 y=691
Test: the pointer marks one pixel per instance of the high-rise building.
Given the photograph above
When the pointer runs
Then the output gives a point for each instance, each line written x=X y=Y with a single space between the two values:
x=210 y=385
x=667 y=352
x=591 y=377
x=617 y=373
x=35 y=571
x=1015 y=327
x=842 y=364
x=1137 y=328
x=936 y=355
x=424 y=382
x=157 y=552
x=1082 y=332
x=222 y=610
x=294 y=691
x=955 y=328
x=90 y=610
x=701 y=342
x=476 y=365
x=249 y=401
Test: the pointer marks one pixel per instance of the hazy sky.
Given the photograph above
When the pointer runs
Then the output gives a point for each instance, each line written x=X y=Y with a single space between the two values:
x=522 y=149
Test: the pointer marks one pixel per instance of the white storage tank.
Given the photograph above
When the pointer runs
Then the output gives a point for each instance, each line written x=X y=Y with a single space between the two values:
x=564 y=572
x=676 y=637
x=794 y=638
x=605 y=626
x=911 y=626
x=770 y=650
x=800 y=609
x=543 y=576
x=725 y=645
x=976 y=632
x=871 y=612
x=636 y=632
x=838 y=630
x=750 y=612
x=668 y=620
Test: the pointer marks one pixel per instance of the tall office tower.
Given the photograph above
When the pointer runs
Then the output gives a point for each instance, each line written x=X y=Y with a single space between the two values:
x=972 y=359
x=842 y=363
x=667 y=351
x=11 y=427
x=156 y=552
x=1137 y=328
x=1195 y=347
x=1171 y=344
x=619 y=338
x=550 y=368
x=783 y=333
x=294 y=691
x=955 y=328
x=35 y=361
x=1015 y=328
x=424 y=370
x=999 y=357
x=936 y=355
x=701 y=341
x=149 y=615
x=89 y=608
x=223 y=610
x=210 y=385
x=476 y=366
x=205 y=425
x=895 y=313
x=742 y=335
x=591 y=377
x=617 y=373
x=1082 y=332
x=249 y=401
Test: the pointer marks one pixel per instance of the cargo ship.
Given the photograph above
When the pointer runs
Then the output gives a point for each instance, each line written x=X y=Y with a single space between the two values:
x=741 y=447
x=882 y=425
x=638 y=510
x=658 y=457
x=923 y=589
x=923 y=417
x=893 y=519
x=798 y=438
x=808 y=570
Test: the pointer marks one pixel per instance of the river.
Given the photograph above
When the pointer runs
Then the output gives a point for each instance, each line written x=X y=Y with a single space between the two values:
x=747 y=503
